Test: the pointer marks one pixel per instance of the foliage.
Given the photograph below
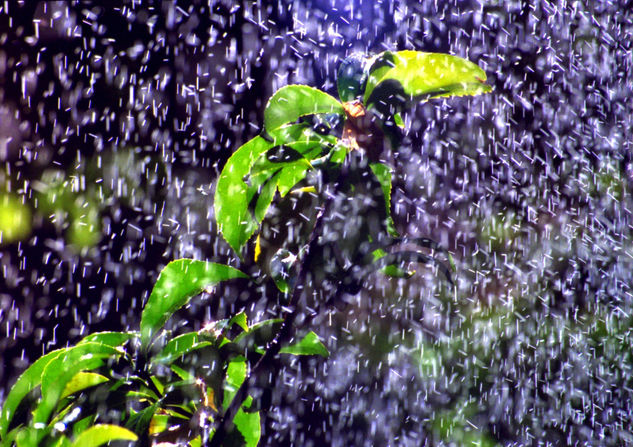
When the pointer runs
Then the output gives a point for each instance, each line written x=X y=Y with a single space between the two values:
x=154 y=385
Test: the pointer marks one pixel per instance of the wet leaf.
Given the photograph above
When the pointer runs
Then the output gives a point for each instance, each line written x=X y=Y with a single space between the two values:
x=29 y=379
x=308 y=345
x=102 y=434
x=177 y=283
x=235 y=376
x=409 y=76
x=179 y=346
x=61 y=370
x=233 y=194
x=294 y=101
x=383 y=174
x=113 y=339
x=81 y=381
x=351 y=77
x=248 y=423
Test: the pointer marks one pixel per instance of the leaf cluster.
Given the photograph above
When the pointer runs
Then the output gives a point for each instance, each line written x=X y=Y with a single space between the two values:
x=152 y=386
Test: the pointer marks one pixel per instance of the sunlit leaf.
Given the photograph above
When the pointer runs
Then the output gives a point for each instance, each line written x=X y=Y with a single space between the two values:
x=102 y=434
x=182 y=373
x=29 y=379
x=113 y=339
x=241 y=320
x=294 y=101
x=81 y=381
x=235 y=376
x=308 y=345
x=248 y=423
x=61 y=370
x=236 y=188
x=177 y=283
x=15 y=218
x=67 y=362
x=402 y=77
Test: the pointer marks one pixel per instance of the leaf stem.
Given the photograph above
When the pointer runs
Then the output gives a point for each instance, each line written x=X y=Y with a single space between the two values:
x=285 y=332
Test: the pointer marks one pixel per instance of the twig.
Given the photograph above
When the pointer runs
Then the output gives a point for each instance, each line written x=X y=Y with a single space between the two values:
x=285 y=332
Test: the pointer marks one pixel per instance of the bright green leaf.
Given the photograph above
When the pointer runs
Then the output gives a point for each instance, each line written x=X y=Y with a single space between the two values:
x=15 y=218
x=29 y=379
x=233 y=194
x=60 y=371
x=308 y=345
x=235 y=376
x=113 y=339
x=183 y=374
x=408 y=76
x=103 y=433
x=248 y=424
x=177 y=283
x=241 y=320
x=81 y=381
x=294 y=101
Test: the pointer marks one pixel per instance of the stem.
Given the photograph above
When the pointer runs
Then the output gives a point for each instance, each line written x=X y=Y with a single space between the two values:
x=285 y=332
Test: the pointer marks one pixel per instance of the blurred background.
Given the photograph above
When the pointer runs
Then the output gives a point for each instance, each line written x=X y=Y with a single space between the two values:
x=115 y=122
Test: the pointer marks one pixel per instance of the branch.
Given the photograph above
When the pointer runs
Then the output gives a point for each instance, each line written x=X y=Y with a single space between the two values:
x=285 y=332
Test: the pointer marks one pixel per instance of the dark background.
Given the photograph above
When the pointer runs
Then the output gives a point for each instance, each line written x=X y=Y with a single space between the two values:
x=115 y=122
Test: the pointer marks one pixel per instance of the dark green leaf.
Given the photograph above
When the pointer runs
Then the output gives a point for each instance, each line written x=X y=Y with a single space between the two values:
x=179 y=346
x=383 y=174
x=177 y=283
x=352 y=77
x=294 y=101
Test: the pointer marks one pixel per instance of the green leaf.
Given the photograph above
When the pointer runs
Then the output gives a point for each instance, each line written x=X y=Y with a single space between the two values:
x=265 y=197
x=81 y=381
x=383 y=174
x=61 y=370
x=259 y=335
x=177 y=283
x=235 y=376
x=103 y=433
x=113 y=339
x=182 y=373
x=308 y=345
x=29 y=379
x=241 y=320
x=233 y=194
x=351 y=77
x=294 y=101
x=248 y=423
x=179 y=346
x=139 y=421
x=407 y=76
